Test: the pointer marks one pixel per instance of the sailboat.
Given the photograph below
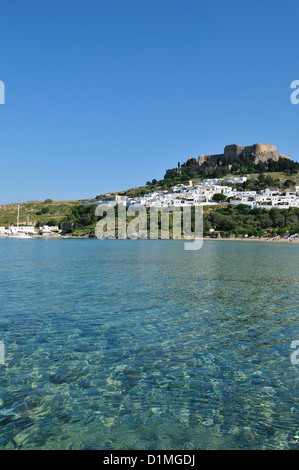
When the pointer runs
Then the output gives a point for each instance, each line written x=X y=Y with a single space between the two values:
x=17 y=232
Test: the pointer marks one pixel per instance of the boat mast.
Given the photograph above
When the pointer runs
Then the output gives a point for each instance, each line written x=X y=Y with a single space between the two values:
x=18 y=219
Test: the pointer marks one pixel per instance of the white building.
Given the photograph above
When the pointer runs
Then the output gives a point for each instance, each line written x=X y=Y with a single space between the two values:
x=112 y=200
x=46 y=230
x=29 y=229
x=235 y=180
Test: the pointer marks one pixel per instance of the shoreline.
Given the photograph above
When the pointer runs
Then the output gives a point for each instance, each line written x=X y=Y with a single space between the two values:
x=219 y=239
x=268 y=240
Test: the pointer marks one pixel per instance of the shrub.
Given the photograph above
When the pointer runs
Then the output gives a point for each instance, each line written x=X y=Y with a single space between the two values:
x=219 y=197
x=52 y=222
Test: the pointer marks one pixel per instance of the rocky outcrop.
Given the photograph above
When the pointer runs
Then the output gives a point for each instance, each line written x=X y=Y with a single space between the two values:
x=265 y=156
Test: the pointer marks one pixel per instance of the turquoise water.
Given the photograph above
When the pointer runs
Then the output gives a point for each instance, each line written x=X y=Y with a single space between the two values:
x=142 y=345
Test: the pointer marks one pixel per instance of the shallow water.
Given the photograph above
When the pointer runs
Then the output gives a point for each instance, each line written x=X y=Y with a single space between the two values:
x=119 y=344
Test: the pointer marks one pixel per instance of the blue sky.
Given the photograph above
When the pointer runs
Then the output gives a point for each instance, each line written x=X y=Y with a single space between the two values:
x=105 y=95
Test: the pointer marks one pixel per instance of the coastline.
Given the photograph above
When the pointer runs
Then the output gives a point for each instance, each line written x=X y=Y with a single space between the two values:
x=237 y=239
x=268 y=240
x=219 y=239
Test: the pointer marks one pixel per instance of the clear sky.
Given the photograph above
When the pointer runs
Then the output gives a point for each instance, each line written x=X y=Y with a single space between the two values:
x=103 y=95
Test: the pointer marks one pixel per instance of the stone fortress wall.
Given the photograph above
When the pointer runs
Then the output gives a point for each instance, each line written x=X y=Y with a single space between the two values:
x=213 y=158
x=260 y=152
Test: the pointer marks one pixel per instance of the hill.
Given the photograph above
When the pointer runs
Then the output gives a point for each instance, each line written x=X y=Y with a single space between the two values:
x=38 y=213
x=77 y=217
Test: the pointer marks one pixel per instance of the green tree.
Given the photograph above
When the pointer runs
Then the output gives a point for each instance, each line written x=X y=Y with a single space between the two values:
x=219 y=197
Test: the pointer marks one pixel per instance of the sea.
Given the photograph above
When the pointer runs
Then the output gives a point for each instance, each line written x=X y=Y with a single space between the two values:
x=140 y=344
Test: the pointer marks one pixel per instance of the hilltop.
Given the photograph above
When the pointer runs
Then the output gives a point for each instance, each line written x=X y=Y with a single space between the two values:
x=257 y=158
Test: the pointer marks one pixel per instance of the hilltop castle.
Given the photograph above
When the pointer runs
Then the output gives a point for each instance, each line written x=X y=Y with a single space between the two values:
x=259 y=152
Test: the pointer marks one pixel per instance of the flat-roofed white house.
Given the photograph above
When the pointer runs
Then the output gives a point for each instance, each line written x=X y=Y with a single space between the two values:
x=244 y=200
x=112 y=200
x=235 y=180
x=46 y=230
x=29 y=229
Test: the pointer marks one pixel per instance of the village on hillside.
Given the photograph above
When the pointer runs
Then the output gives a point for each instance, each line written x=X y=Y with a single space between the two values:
x=210 y=191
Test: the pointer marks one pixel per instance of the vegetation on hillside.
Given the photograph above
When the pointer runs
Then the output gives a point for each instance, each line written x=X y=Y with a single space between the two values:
x=237 y=166
x=255 y=182
x=240 y=220
x=225 y=219
x=38 y=213
x=81 y=220
x=240 y=165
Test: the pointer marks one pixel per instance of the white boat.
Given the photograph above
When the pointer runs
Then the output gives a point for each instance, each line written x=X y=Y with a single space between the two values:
x=19 y=232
